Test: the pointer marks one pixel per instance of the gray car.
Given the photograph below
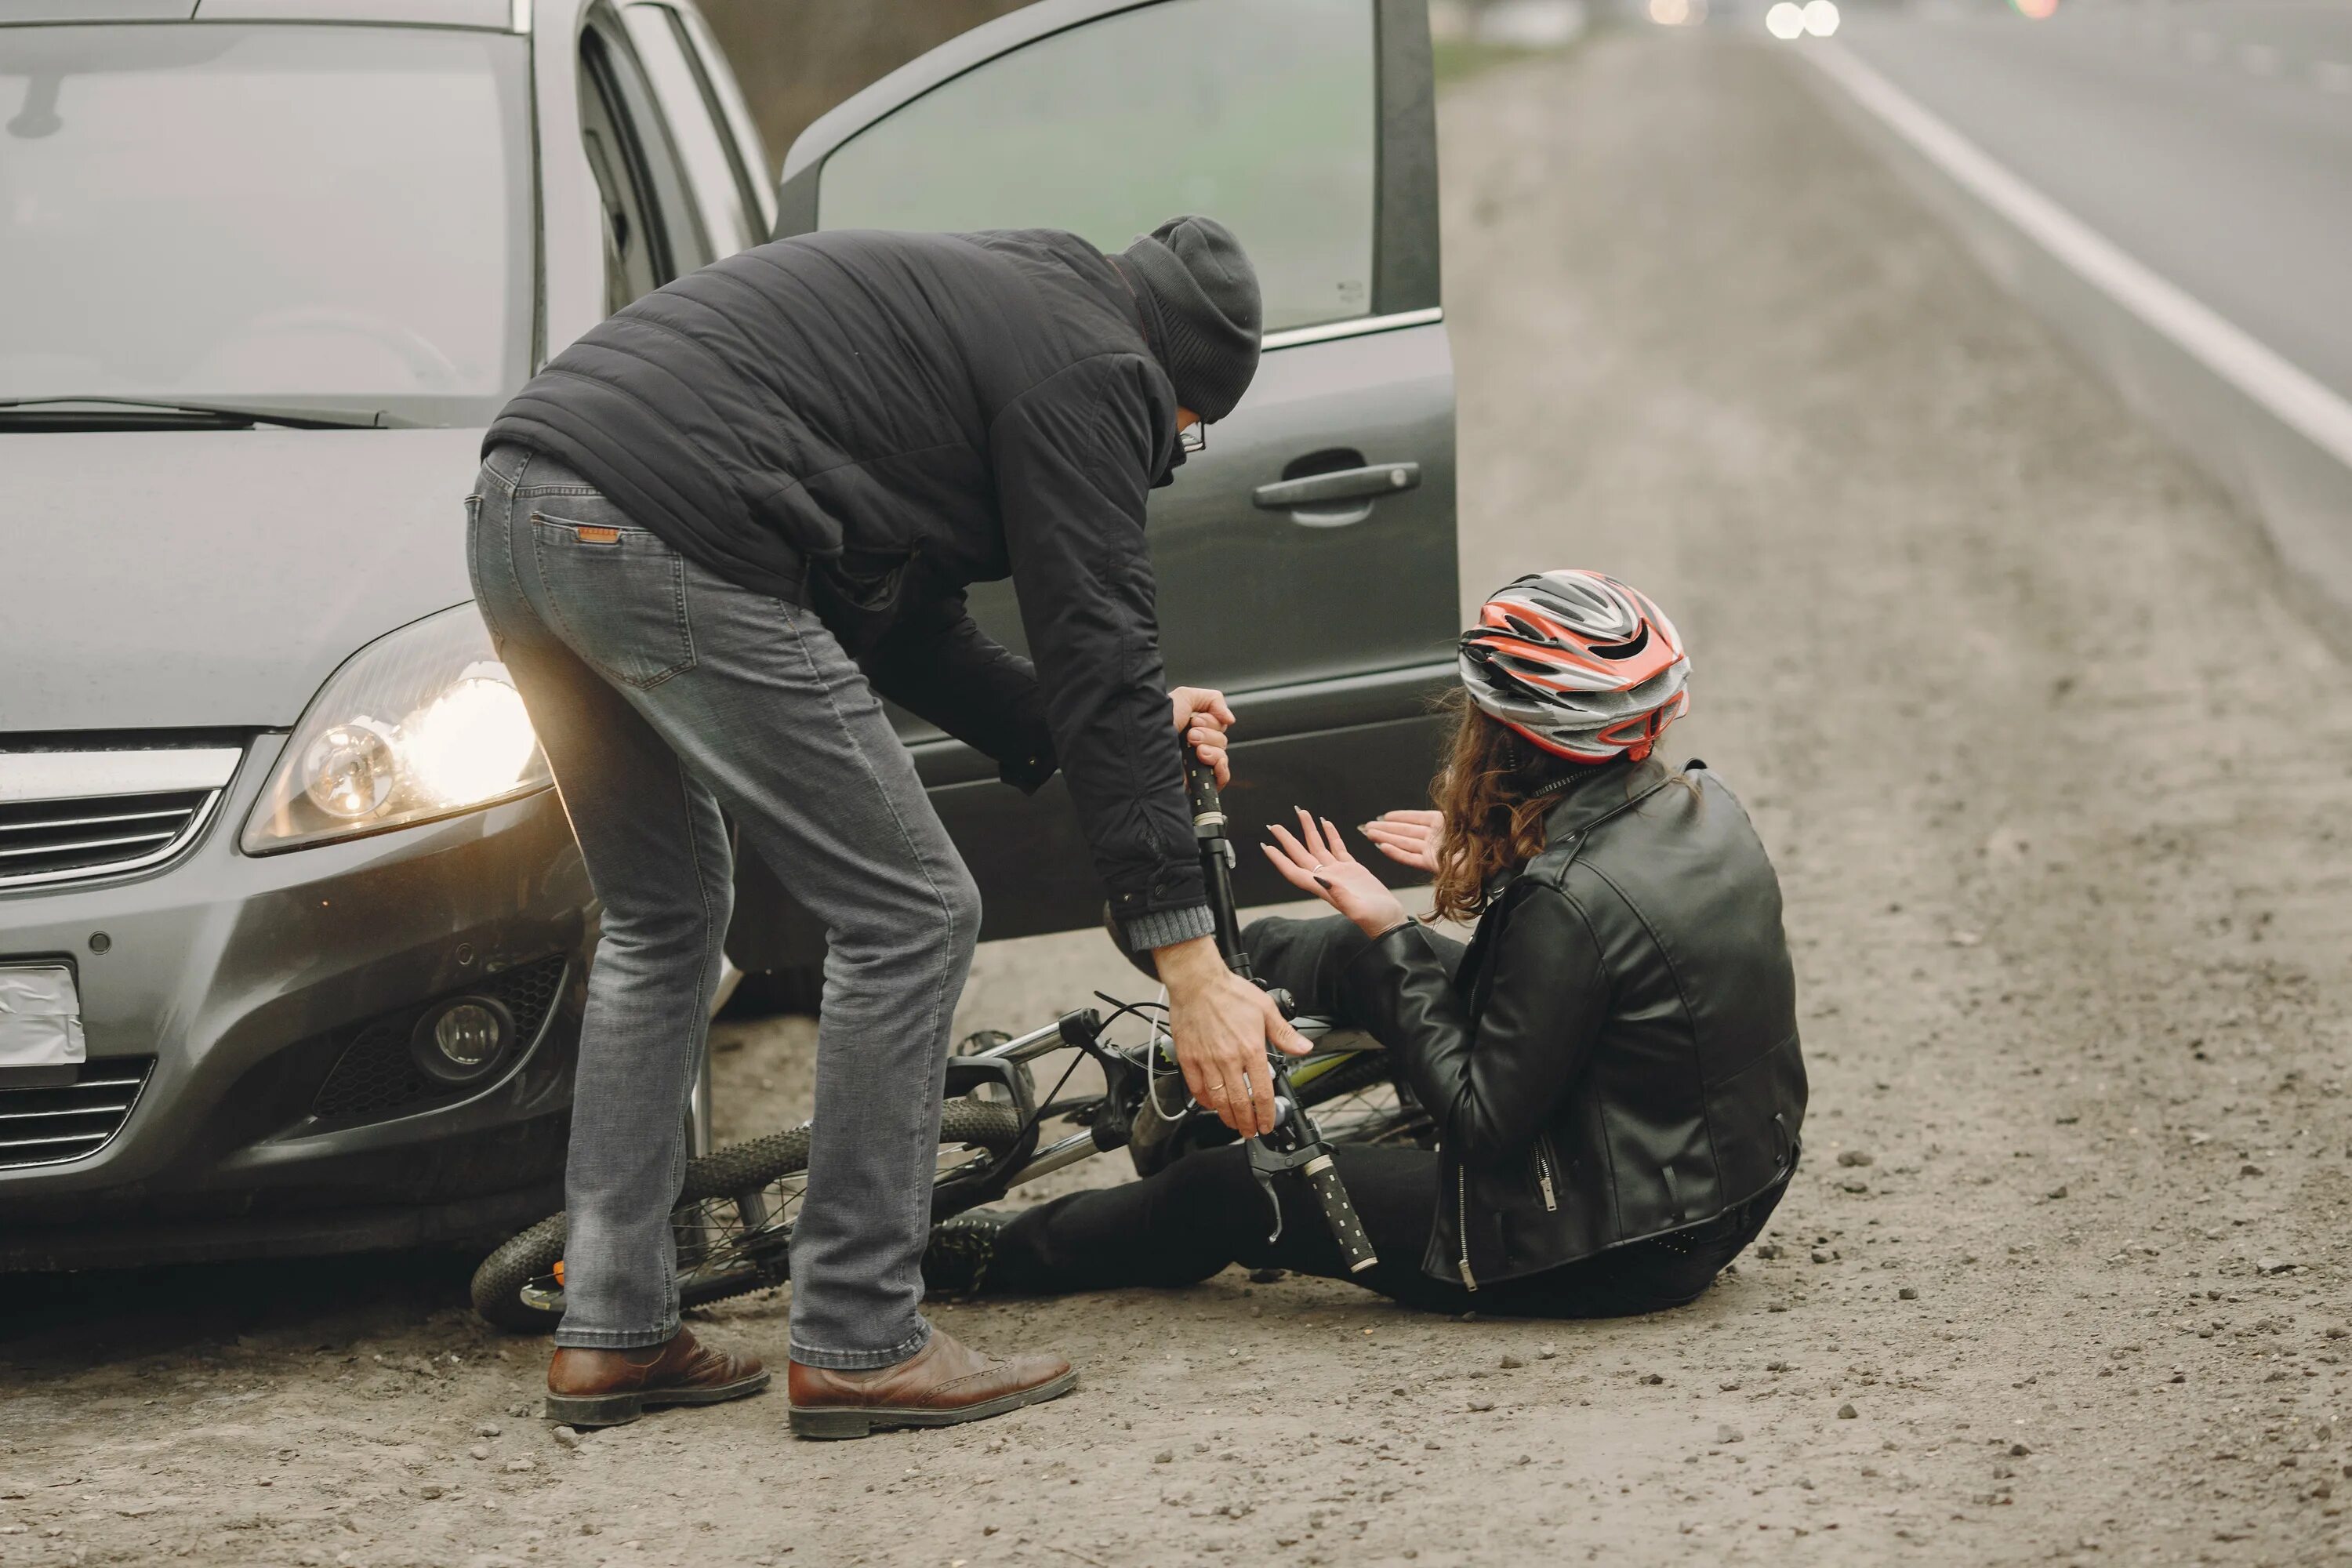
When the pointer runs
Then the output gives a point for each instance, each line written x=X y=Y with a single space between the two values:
x=292 y=932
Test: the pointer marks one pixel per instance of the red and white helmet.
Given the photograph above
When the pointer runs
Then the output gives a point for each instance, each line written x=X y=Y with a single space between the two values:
x=1579 y=663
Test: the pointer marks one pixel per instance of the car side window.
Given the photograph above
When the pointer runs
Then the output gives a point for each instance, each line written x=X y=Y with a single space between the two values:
x=651 y=231
x=1260 y=113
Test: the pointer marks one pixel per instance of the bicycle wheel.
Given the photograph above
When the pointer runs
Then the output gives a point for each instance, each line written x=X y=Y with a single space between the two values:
x=733 y=1221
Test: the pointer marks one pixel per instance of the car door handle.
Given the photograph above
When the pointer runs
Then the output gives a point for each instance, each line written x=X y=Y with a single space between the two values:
x=1366 y=483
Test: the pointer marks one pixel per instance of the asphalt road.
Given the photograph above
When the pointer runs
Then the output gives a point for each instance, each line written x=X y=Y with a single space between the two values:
x=2057 y=786
x=2212 y=142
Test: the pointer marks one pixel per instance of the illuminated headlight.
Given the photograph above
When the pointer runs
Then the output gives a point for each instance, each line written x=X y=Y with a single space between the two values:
x=420 y=724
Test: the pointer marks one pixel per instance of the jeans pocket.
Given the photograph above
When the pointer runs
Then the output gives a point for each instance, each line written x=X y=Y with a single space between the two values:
x=617 y=595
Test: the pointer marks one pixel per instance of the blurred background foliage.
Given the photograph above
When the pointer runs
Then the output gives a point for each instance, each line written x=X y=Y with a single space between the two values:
x=797 y=58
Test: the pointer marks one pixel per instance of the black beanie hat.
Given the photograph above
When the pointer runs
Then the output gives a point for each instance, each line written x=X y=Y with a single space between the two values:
x=1206 y=291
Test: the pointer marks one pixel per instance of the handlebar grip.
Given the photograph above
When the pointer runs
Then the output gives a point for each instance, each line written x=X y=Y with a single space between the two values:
x=1200 y=787
x=1339 y=1214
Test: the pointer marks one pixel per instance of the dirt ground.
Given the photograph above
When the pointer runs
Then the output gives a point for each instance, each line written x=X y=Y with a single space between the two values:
x=2056 y=783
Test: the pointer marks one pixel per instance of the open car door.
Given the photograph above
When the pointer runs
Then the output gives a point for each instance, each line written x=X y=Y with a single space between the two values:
x=1305 y=560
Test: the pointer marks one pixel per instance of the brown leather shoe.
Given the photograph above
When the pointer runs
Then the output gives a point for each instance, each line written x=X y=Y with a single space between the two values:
x=938 y=1386
x=606 y=1388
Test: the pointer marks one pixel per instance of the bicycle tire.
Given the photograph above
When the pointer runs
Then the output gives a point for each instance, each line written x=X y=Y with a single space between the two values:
x=506 y=1289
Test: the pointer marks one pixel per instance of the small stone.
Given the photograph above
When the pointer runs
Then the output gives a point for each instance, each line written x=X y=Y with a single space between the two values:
x=1511 y=1363
x=1823 y=1255
x=567 y=1438
x=1268 y=1276
x=479 y=1450
x=2019 y=1450
x=1165 y=1457
x=1776 y=1366
x=520 y=1467
x=1856 y=1157
x=2277 y=1266
x=1853 y=1185
x=2251 y=1169
x=1907 y=1294
x=1546 y=1350
x=1650 y=1378
x=2059 y=1191
x=428 y=1492
x=1524 y=1459
x=1770 y=1249
x=1480 y=1405
x=1847 y=1413
x=1431 y=1444
x=1728 y=1434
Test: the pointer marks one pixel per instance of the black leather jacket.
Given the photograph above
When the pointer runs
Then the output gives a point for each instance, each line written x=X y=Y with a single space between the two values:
x=1617 y=1054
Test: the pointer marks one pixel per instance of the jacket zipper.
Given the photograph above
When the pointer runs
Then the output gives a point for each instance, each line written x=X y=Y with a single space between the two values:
x=1543 y=1178
x=1461 y=1225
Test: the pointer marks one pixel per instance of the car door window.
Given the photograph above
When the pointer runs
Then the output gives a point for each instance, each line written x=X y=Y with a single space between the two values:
x=1262 y=116
x=723 y=186
x=652 y=232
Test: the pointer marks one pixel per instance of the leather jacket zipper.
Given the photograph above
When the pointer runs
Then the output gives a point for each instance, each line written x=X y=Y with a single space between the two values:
x=1543 y=1177
x=1462 y=1223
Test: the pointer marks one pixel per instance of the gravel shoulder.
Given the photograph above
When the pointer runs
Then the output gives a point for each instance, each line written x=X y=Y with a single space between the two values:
x=2054 y=781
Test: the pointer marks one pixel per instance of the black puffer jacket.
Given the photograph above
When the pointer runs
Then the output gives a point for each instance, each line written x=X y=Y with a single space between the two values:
x=1616 y=1056
x=865 y=423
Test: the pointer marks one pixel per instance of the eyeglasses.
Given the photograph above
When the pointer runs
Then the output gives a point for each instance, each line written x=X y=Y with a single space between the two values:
x=1194 y=437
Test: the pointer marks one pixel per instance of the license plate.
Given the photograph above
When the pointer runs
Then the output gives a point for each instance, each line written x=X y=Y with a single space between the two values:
x=40 y=1024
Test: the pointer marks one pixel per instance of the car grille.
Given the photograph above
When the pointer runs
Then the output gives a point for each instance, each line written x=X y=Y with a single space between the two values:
x=66 y=1121
x=68 y=816
x=376 y=1076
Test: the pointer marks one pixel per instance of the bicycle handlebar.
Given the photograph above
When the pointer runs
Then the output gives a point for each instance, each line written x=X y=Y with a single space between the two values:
x=1293 y=1144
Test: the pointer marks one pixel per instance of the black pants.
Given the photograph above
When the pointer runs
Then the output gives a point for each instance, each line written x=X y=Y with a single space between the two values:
x=1206 y=1211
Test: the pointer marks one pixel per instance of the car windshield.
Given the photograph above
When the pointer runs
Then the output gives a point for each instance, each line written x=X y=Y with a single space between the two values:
x=282 y=215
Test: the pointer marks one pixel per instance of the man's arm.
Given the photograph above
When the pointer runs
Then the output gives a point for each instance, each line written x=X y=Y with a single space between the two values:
x=940 y=666
x=1075 y=457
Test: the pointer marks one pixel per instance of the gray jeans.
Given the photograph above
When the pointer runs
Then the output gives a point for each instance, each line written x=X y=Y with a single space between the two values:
x=662 y=693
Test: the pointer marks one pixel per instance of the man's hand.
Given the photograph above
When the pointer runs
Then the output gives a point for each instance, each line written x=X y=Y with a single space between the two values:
x=1408 y=837
x=1222 y=1026
x=1317 y=862
x=1203 y=717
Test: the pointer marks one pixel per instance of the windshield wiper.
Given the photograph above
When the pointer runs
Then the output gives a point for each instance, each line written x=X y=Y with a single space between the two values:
x=298 y=416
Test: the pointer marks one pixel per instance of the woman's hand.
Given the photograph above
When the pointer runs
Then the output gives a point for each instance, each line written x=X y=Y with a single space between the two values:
x=1408 y=837
x=1203 y=716
x=1316 y=862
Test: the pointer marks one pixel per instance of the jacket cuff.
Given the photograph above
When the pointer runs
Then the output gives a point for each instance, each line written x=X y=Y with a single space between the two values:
x=1027 y=774
x=1165 y=928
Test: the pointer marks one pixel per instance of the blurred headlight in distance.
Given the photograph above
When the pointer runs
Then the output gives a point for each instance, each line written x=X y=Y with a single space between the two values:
x=1821 y=17
x=420 y=724
x=1785 y=20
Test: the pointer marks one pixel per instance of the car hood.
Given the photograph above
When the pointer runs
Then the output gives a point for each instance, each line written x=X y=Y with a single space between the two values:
x=202 y=579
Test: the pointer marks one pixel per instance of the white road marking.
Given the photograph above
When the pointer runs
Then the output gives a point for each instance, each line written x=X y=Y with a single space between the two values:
x=2290 y=393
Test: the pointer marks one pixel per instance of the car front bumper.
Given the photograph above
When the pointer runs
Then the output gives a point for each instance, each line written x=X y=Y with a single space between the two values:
x=247 y=981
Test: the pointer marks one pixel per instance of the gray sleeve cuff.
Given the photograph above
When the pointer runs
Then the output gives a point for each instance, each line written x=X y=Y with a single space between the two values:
x=1165 y=928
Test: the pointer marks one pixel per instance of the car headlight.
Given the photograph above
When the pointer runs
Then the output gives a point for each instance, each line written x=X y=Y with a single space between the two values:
x=421 y=724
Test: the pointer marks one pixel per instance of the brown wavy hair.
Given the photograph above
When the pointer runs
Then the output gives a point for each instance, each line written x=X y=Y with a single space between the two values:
x=1493 y=792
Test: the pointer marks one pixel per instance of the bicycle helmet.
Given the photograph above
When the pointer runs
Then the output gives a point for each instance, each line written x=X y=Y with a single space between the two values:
x=1579 y=663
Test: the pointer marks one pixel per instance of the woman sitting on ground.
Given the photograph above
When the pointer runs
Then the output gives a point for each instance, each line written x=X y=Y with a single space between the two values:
x=1612 y=1064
